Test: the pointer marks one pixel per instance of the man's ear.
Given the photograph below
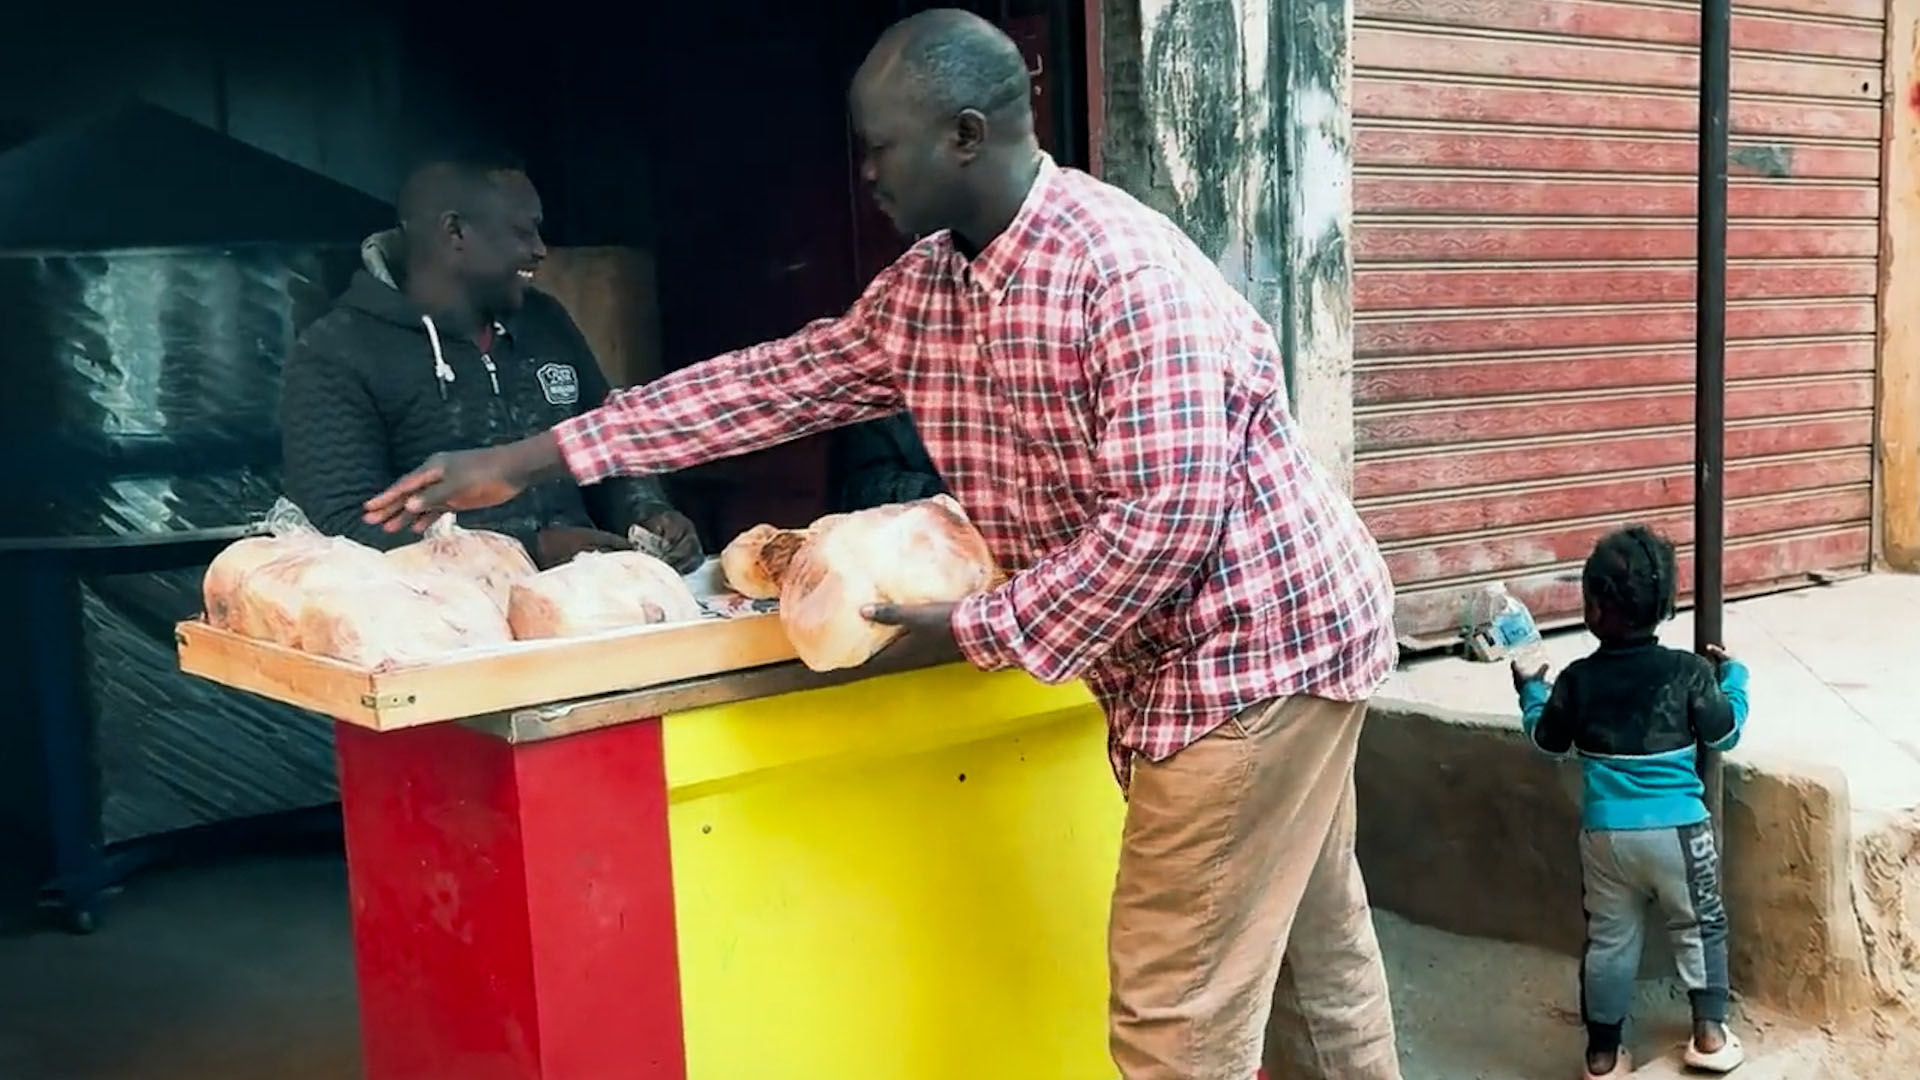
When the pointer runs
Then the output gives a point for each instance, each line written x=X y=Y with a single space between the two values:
x=453 y=227
x=969 y=134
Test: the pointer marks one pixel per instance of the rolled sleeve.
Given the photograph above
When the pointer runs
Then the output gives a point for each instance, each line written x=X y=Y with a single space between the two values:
x=983 y=627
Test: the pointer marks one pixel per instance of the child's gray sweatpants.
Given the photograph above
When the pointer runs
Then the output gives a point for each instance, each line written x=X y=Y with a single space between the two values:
x=1677 y=870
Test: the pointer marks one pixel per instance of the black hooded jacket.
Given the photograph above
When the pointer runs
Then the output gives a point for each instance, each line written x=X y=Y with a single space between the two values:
x=372 y=389
x=882 y=461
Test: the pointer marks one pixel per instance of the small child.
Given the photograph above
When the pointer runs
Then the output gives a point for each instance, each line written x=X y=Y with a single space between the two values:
x=1635 y=712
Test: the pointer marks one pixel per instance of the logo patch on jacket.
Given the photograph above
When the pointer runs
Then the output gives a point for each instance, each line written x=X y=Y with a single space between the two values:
x=559 y=384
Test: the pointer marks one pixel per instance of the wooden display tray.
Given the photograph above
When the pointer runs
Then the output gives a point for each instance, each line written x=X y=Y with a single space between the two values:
x=483 y=682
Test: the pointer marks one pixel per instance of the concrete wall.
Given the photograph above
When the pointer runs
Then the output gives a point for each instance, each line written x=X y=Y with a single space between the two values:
x=1465 y=827
x=1234 y=118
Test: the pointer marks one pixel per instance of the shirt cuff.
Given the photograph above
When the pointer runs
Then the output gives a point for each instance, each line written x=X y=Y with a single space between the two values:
x=977 y=622
x=585 y=448
x=1534 y=694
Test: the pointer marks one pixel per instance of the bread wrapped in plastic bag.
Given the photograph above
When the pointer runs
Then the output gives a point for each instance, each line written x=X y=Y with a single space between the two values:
x=256 y=586
x=406 y=618
x=270 y=599
x=920 y=552
x=333 y=597
x=598 y=592
x=229 y=569
x=491 y=560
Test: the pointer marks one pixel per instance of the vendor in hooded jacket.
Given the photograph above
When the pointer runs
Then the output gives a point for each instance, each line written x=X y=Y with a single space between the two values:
x=440 y=343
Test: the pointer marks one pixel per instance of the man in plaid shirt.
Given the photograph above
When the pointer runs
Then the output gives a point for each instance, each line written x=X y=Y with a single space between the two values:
x=1111 y=414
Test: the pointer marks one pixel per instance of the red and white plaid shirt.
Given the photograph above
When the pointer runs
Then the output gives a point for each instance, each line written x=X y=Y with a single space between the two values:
x=1112 y=415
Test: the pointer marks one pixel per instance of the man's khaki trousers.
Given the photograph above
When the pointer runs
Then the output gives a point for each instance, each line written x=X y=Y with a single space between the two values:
x=1238 y=852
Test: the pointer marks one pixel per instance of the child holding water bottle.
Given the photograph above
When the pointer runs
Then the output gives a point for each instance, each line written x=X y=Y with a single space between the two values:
x=1636 y=713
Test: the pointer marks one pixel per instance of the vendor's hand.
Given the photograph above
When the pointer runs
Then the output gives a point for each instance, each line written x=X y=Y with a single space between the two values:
x=463 y=480
x=929 y=627
x=559 y=544
x=683 y=551
x=1522 y=678
x=915 y=618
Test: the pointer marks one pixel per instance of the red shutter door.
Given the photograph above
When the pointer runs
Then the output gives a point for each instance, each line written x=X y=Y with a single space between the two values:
x=1524 y=240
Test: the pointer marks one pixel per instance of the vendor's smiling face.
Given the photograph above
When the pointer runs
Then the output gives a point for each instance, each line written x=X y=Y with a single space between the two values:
x=500 y=248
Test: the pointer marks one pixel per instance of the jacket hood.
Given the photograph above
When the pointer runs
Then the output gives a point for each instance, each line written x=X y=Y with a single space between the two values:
x=375 y=291
x=378 y=253
x=374 y=288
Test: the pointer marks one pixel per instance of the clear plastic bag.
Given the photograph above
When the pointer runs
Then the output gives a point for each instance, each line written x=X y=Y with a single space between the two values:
x=1500 y=627
x=287 y=521
x=600 y=591
x=223 y=589
x=409 y=618
x=257 y=586
x=332 y=596
x=490 y=560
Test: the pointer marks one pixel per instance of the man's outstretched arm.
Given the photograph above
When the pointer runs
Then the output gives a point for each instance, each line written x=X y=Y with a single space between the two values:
x=829 y=373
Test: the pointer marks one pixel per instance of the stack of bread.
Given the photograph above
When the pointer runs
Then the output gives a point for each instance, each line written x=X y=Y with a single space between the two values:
x=455 y=589
x=460 y=589
x=333 y=597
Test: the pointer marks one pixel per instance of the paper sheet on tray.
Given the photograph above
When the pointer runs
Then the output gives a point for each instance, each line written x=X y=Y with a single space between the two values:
x=710 y=588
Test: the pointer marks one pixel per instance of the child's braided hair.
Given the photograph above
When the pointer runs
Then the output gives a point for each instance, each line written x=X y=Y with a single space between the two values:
x=1631 y=578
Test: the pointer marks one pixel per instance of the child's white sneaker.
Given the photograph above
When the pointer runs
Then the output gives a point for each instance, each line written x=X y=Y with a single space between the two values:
x=1729 y=1057
x=1622 y=1065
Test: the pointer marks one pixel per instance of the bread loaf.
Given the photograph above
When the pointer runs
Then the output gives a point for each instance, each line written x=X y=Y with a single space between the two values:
x=598 y=592
x=220 y=588
x=755 y=562
x=489 y=559
x=920 y=552
x=266 y=602
x=402 y=618
x=330 y=596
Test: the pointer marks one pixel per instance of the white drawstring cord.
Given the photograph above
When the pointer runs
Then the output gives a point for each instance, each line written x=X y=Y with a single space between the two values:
x=441 y=369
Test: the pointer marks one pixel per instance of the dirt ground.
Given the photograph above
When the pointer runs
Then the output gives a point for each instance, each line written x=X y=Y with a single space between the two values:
x=242 y=970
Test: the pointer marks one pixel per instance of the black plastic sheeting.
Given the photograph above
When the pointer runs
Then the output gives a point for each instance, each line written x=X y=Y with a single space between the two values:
x=175 y=751
x=154 y=275
x=141 y=389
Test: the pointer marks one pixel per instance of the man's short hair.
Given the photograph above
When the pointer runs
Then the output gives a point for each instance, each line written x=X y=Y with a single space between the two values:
x=951 y=59
x=475 y=158
x=452 y=179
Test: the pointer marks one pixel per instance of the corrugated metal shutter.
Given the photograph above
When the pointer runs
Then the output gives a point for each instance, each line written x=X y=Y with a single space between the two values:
x=1524 y=242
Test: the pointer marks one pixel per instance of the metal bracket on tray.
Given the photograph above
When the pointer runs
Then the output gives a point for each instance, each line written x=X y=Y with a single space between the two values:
x=387 y=701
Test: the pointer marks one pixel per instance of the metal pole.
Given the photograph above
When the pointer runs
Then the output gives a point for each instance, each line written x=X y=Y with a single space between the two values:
x=1710 y=359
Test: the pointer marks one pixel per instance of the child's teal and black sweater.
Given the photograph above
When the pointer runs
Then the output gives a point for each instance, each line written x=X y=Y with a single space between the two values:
x=1636 y=712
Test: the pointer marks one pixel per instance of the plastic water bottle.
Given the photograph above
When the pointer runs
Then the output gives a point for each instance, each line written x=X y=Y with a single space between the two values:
x=1510 y=629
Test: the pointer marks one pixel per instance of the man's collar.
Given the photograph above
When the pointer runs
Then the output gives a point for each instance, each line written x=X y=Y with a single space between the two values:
x=993 y=269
